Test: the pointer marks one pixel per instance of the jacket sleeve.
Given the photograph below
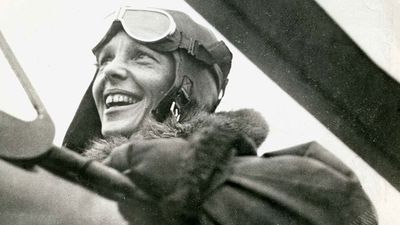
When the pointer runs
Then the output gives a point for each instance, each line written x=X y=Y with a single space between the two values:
x=300 y=185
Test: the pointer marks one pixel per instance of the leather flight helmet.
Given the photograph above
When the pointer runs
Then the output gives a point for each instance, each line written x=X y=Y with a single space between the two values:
x=197 y=54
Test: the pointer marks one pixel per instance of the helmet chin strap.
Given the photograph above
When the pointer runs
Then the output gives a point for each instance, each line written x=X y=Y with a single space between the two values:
x=175 y=102
x=182 y=98
x=178 y=97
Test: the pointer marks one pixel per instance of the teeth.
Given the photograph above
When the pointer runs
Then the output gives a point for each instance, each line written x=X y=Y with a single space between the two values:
x=108 y=99
x=114 y=98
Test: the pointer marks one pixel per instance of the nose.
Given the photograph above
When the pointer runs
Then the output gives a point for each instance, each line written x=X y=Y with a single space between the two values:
x=115 y=70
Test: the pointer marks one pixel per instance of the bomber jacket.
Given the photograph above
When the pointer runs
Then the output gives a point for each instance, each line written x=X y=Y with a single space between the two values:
x=227 y=183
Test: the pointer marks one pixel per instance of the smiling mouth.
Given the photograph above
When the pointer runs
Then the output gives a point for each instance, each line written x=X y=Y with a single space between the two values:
x=119 y=99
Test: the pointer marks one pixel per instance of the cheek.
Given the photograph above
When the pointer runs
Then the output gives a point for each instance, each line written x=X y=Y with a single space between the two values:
x=159 y=82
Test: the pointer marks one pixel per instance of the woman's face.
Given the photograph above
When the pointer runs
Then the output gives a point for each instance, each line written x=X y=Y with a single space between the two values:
x=131 y=81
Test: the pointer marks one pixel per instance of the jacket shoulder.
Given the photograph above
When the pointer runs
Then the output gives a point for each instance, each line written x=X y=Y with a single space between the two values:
x=304 y=184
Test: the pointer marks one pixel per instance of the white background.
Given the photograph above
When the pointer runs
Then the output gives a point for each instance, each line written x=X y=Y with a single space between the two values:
x=52 y=40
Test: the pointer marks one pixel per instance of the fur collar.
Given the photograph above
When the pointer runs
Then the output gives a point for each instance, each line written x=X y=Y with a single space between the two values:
x=246 y=123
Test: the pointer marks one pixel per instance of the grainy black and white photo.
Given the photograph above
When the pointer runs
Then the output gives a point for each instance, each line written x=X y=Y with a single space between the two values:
x=209 y=112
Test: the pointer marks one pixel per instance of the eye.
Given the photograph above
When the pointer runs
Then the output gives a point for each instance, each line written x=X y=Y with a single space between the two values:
x=104 y=60
x=143 y=57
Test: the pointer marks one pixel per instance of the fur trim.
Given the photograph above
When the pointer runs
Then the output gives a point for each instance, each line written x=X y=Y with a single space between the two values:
x=99 y=149
x=245 y=122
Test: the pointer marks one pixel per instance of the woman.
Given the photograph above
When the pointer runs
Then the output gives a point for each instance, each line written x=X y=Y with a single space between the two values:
x=149 y=113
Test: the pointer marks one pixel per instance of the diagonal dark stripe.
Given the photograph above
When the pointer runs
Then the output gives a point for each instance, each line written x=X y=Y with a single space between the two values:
x=304 y=51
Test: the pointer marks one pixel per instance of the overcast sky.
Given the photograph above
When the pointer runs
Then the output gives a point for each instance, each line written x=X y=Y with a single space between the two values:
x=52 y=40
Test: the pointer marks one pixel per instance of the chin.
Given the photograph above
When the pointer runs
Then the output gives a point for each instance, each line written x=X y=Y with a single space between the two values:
x=121 y=128
x=124 y=121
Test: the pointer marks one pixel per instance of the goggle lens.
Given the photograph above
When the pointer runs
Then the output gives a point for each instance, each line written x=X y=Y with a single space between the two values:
x=147 y=25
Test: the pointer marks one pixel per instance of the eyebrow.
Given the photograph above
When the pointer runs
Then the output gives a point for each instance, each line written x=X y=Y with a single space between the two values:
x=134 y=47
x=154 y=54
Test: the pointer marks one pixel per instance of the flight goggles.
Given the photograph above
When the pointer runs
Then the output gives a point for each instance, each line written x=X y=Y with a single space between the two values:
x=146 y=25
x=168 y=30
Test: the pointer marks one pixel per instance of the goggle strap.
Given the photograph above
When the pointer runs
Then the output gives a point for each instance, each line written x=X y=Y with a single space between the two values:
x=214 y=54
x=220 y=52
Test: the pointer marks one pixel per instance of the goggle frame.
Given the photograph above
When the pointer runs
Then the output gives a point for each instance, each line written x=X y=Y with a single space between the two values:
x=169 y=31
